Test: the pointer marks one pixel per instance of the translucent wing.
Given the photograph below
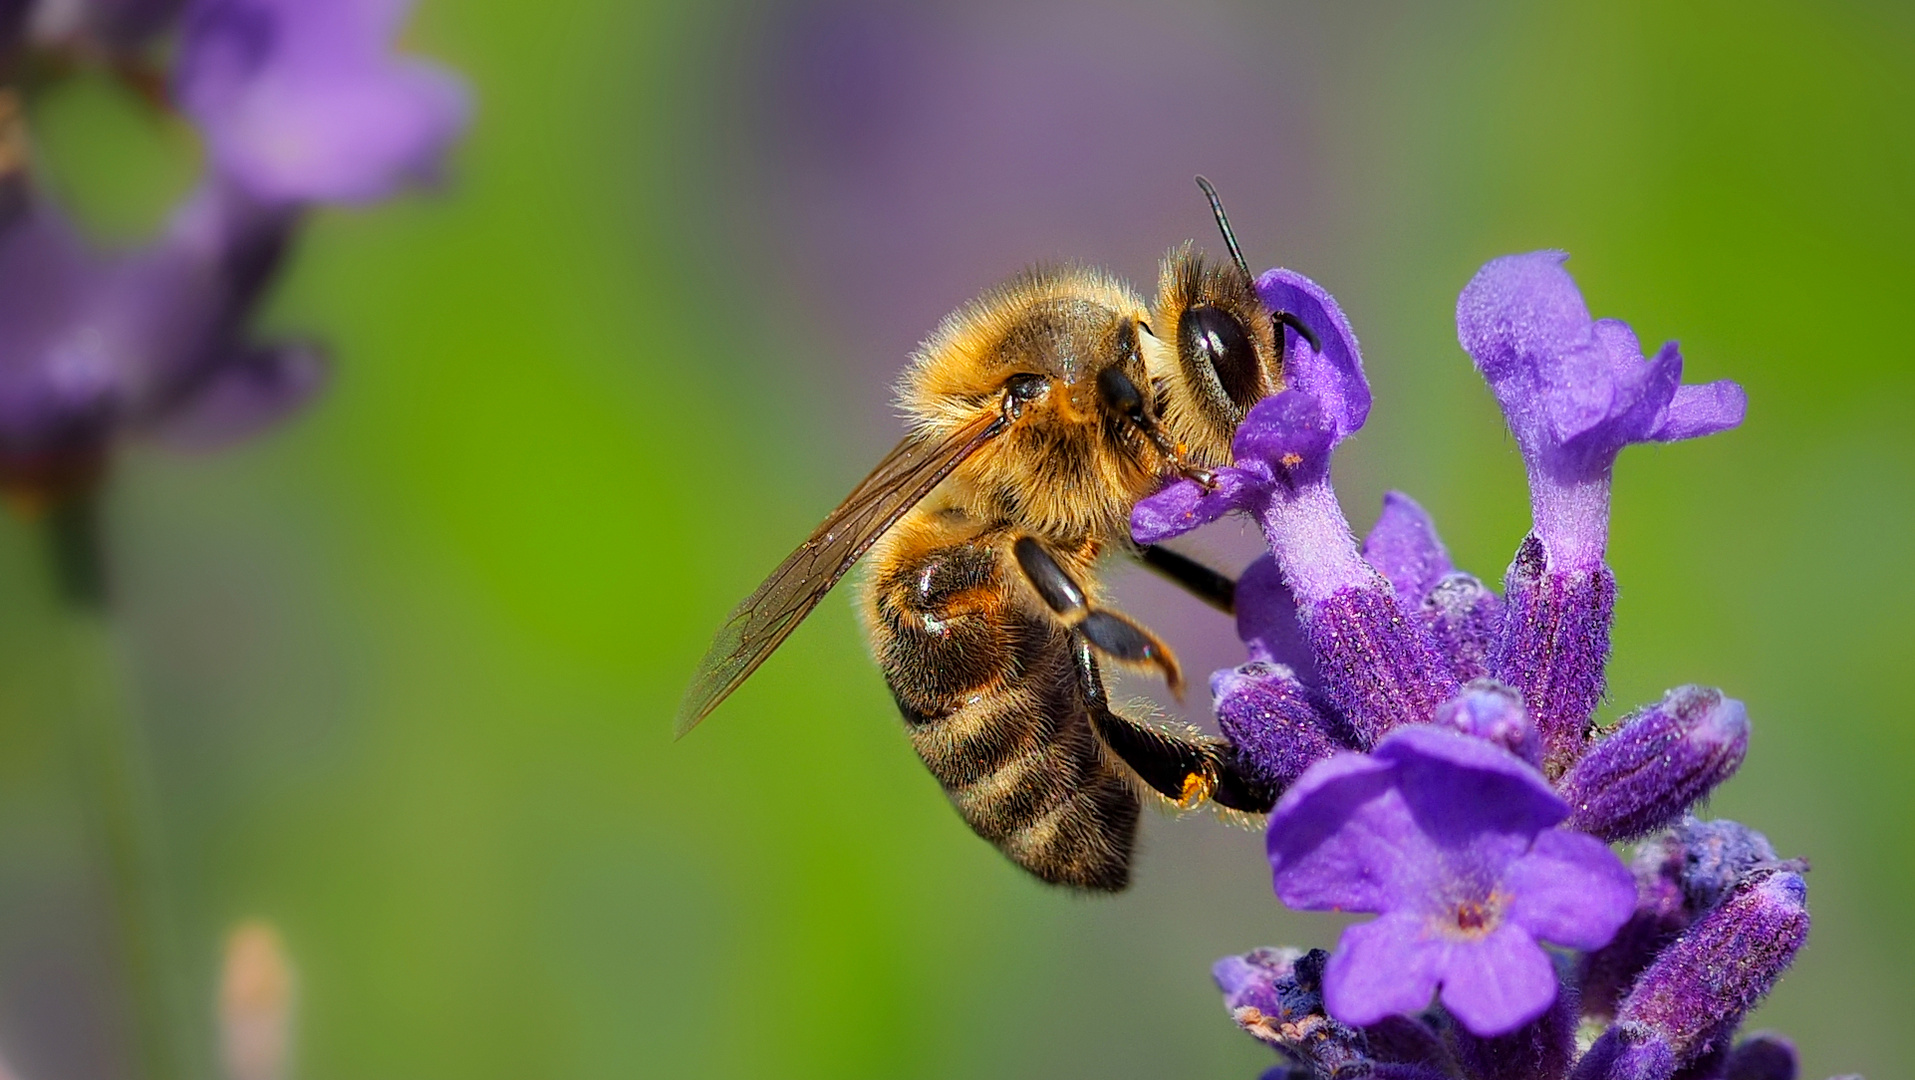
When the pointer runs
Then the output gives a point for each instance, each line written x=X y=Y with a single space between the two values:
x=756 y=627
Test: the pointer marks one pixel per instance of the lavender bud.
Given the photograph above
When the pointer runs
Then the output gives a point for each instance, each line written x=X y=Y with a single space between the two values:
x=1700 y=987
x=1555 y=641
x=1656 y=765
x=1276 y=723
x=1539 y=1050
x=1717 y=856
x=1379 y=669
x=1661 y=914
x=1763 y=1056
x=1489 y=710
x=1627 y=1053
x=1463 y=618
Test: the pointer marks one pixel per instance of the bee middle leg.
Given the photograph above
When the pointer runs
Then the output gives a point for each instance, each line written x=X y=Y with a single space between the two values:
x=1106 y=631
x=1213 y=587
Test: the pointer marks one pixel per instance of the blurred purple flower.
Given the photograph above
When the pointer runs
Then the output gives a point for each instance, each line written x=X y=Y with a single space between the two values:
x=1451 y=840
x=153 y=339
x=304 y=102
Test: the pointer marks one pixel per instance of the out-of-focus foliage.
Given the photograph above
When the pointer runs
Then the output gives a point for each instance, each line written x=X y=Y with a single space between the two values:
x=404 y=671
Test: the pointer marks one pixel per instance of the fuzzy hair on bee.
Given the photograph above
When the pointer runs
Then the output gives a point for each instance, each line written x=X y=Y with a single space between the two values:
x=1040 y=413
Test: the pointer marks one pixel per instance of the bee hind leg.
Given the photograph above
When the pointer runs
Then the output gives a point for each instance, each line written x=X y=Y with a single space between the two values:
x=1186 y=769
x=1106 y=631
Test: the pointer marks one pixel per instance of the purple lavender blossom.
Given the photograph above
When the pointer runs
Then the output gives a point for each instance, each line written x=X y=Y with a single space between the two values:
x=299 y=102
x=1476 y=825
x=1452 y=841
x=1575 y=391
x=302 y=102
x=155 y=338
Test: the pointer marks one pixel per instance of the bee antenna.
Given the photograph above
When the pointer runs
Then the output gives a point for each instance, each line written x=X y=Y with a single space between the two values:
x=1223 y=225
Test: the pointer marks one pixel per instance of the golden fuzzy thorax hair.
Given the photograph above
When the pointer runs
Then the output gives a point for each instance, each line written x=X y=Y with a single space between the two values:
x=1069 y=467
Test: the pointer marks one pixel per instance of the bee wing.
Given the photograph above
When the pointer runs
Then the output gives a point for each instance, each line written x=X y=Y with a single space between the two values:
x=756 y=627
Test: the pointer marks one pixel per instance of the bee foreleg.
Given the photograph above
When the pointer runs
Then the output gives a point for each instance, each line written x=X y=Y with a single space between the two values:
x=1219 y=590
x=1106 y=631
x=1187 y=769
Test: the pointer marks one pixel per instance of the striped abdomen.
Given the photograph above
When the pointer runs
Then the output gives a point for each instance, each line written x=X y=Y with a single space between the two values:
x=997 y=707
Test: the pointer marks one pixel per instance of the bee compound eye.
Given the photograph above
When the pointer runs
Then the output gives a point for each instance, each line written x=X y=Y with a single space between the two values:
x=1213 y=336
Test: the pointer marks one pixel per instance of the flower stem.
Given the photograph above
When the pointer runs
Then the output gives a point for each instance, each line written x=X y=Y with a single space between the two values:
x=118 y=799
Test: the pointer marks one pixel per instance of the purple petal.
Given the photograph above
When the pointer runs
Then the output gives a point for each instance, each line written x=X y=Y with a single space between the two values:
x=301 y=101
x=1404 y=548
x=1341 y=837
x=1702 y=410
x=1184 y=505
x=250 y=390
x=1291 y=433
x=1499 y=982
x=1267 y=620
x=1333 y=378
x=1570 y=890
x=1385 y=967
x=1459 y=786
x=1520 y=308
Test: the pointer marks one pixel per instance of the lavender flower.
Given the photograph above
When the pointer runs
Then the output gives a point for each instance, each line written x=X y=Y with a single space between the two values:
x=1475 y=825
x=299 y=103
x=1451 y=839
x=1575 y=392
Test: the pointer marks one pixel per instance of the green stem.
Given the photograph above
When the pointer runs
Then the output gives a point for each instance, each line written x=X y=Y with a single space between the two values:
x=117 y=793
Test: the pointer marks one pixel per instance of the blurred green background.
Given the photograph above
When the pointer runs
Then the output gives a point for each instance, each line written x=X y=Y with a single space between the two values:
x=403 y=671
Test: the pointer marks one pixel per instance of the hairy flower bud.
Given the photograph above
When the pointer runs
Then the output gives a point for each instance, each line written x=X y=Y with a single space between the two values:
x=1275 y=721
x=1700 y=987
x=1489 y=710
x=1657 y=764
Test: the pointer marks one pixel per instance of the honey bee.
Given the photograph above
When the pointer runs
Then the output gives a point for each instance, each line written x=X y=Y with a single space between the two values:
x=1041 y=413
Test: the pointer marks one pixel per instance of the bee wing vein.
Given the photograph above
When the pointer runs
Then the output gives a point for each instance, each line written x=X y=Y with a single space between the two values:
x=758 y=625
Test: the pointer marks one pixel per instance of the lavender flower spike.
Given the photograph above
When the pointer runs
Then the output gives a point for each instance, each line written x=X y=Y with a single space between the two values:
x=301 y=102
x=1575 y=392
x=1657 y=765
x=1450 y=839
x=1377 y=668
